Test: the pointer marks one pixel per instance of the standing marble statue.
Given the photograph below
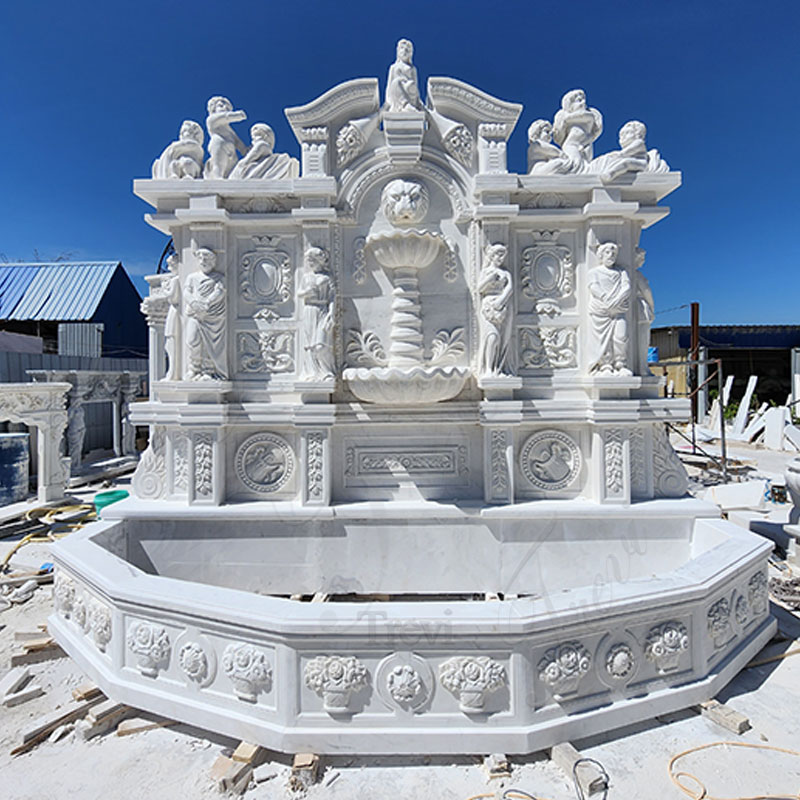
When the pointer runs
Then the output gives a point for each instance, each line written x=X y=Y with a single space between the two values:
x=184 y=157
x=222 y=139
x=609 y=303
x=260 y=160
x=575 y=128
x=402 y=90
x=204 y=312
x=633 y=155
x=494 y=289
x=645 y=310
x=317 y=292
x=171 y=290
x=544 y=157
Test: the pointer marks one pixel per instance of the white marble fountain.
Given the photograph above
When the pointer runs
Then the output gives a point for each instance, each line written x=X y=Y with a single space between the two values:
x=412 y=385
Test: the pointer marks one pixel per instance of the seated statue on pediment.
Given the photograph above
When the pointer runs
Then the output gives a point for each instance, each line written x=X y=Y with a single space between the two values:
x=184 y=157
x=633 y=155
x=261 y=162
x=544 y=157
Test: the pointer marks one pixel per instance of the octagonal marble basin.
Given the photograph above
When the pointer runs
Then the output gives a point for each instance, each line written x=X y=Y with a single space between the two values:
x=607 y=616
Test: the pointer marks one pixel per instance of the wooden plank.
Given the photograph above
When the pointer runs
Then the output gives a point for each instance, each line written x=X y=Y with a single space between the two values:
x=139 y=725
x=86 y=691
x=246 y=752
x=47 y=725
x=35 y=656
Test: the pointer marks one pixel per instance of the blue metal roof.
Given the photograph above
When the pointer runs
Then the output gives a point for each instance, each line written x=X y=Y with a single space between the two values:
x=57 y=291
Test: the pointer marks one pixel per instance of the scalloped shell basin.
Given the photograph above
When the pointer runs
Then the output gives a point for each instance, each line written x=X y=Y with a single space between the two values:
x=398 y=386
x=606 y=616
x=405 y=249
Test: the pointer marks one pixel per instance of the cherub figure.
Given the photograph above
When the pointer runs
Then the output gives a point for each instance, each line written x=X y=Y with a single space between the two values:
x=633 y=155
x=494 y=289
x=222 y=140
x=609 y=303
x=260 y=160
x=575 y=128
x=184 y=157
x=402 y=91
x=544 y=157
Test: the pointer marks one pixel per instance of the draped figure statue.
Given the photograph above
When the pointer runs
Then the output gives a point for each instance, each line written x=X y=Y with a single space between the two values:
x=317 y=292
x=494 y=289
x=609 y=303
x=204 y=312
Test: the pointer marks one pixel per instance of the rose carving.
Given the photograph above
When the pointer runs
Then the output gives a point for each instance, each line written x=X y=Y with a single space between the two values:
x=335 y=678
x=471 y=679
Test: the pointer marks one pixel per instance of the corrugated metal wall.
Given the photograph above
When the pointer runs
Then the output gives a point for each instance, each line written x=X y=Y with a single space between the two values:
x=80 y=339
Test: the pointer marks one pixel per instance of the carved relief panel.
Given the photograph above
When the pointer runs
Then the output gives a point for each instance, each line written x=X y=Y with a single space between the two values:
x=546 y=275
x=266 y=278
x=265 y=465
x=551 y=463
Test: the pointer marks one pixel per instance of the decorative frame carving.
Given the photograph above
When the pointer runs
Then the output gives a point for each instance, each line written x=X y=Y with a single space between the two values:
x=273 y=284
x=547 y=273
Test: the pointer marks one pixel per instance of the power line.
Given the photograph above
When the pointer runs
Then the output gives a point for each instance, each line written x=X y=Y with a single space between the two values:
x=674 y=308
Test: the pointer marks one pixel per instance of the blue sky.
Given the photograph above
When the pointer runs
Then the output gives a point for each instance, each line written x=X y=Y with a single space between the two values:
x=93 y=91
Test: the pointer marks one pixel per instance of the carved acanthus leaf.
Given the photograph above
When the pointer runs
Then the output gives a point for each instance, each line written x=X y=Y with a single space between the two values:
x=365 y=349
x=447 y=347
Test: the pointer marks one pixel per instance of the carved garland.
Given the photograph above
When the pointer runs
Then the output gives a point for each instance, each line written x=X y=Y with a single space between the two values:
x=315 y=465
x=614 y=461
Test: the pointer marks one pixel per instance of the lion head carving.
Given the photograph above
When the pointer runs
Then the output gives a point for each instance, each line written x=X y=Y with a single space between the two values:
x=405 y=202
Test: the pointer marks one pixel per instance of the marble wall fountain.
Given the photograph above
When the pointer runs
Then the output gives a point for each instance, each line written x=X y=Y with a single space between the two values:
x=400 y=376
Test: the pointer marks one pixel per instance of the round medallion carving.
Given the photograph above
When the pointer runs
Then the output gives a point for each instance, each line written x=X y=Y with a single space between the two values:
x=264 y=462
x=620 y=661
x=550 y=460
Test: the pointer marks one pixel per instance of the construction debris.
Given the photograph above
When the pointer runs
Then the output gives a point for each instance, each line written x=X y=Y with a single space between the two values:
x=13 y=680
x=102 y=718
x=86 y=691
x=246 y=753
x=139 y=725
x=786 y=591
x=36 y=650
x=726 y=717
x=24 y=592
x=46 y=726
x=231 y=776
x=264 y=772
x=497 y=766
x=305 y=772
x=568 y=759
x=29 y=692
x=748 y=494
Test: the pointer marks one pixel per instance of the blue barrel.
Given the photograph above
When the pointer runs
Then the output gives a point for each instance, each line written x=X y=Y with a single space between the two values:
x=14 y=466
